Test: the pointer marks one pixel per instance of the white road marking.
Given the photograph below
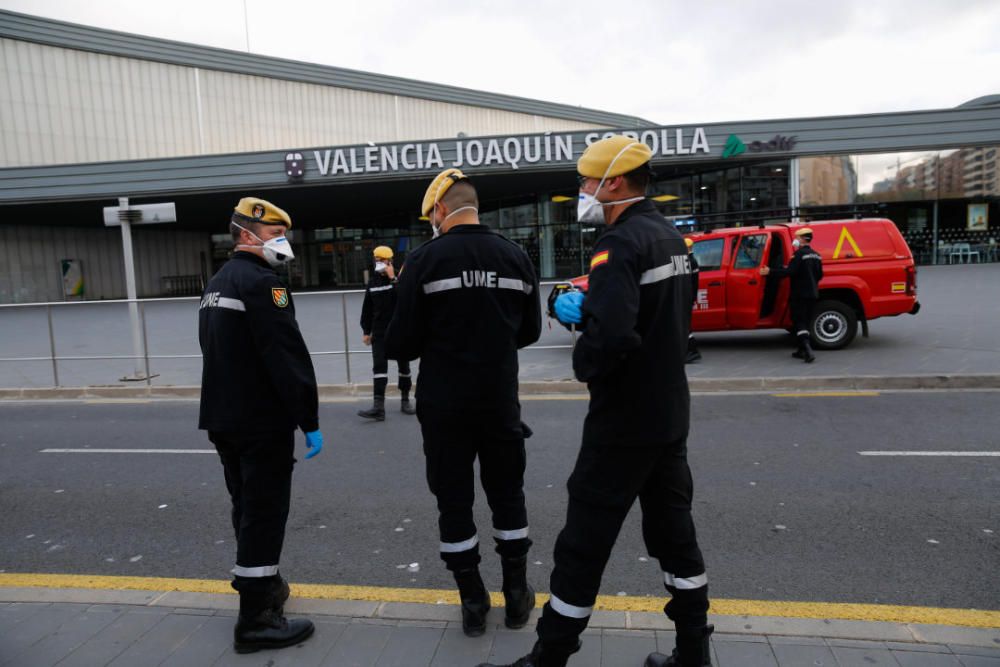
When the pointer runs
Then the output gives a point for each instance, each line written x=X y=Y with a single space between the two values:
x=127 y=451
x=901 y=453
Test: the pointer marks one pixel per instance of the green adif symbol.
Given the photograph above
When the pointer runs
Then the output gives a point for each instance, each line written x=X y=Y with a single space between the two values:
x=734 y=146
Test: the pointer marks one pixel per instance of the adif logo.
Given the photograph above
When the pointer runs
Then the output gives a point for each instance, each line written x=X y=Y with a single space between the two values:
x=295 y=166
x=734 y=146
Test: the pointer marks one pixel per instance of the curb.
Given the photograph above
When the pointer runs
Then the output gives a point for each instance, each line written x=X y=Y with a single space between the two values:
x=881 y=631
x=543 y=387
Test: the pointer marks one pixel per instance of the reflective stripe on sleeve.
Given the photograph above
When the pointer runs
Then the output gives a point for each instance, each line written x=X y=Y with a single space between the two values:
x=518 y=534
x=515 y=284
x=380 y=289
x=685 y=583
x=676 y=267
x=231 y=304
x=568 y=610
x=442 y=285
x=255 y=572
x=458 y=547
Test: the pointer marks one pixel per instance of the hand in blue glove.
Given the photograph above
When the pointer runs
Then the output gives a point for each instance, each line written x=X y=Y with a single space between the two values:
x=314 y=441
x=567 y=307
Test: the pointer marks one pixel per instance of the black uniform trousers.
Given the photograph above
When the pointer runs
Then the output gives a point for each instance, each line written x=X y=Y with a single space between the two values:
x=452 y=443
x=258 y=469
x=380 y=368
x=603 y=487
x=801 y=312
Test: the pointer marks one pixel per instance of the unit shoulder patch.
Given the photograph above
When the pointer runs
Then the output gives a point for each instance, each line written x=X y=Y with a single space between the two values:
x=602 y=257
x=280 y=296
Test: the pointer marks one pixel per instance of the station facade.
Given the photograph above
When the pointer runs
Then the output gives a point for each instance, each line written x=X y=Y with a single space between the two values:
x=92 y=115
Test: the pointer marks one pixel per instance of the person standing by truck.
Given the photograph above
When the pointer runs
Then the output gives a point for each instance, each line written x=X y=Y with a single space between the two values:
x=805 y=270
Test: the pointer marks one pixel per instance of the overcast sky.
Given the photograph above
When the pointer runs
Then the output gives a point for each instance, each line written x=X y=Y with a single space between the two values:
x=668 y=62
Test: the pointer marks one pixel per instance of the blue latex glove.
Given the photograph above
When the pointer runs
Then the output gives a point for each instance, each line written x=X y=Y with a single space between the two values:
x=314 y=441
x=568 y=307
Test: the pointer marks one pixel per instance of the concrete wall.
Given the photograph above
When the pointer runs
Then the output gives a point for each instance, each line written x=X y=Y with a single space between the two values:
x=30 y=260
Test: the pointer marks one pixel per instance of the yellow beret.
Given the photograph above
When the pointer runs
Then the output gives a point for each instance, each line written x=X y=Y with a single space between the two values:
x=804 y=231
x=383 y=252
x=259 y=210
x=438 y=187
x=613 y=156
x=688 y=242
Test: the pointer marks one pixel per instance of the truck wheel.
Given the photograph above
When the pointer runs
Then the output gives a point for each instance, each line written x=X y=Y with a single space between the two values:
x=834 y=325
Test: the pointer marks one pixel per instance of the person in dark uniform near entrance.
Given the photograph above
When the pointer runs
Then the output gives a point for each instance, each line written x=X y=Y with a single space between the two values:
x=467 y=301
x=805 y=271
x=635 y=321
x=380 y=302
x=693 y=354
x=257 y=388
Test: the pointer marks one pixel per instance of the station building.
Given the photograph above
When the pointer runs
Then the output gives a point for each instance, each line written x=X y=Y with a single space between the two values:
x=88 y=116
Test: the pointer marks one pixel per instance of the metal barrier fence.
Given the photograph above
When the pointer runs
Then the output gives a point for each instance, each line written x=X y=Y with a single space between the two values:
x=143 y=358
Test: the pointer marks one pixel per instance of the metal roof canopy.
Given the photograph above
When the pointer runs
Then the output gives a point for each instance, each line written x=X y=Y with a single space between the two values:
x=966 y=126
x=27 y=28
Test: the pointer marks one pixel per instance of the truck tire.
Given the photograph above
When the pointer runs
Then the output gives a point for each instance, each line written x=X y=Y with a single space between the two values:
x=834 y=325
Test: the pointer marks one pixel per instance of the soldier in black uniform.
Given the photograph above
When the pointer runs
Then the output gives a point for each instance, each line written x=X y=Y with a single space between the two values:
x=257 y=387
x=805 y=271
x=380 y=302
x=635 y=322
x=467 y=301
x=693 y=354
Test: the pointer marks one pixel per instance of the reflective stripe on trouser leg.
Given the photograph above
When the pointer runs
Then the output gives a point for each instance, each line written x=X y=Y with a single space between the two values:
x=569 y=610
x=459 y=547
x=685 y=583
x=255 y=572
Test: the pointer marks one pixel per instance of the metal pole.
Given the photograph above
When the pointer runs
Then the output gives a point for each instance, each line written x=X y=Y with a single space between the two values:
x=52 y=347
x=347 y=342
x=937 y=196
x=133 y=310
x=145 y=346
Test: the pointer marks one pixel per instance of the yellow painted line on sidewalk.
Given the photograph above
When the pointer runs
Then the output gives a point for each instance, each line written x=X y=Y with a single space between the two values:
x=975 y=618
x=826 y=394
x=111 y=401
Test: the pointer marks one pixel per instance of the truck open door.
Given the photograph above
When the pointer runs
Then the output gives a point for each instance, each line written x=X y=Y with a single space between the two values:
x=744 y=285
x=709 y=313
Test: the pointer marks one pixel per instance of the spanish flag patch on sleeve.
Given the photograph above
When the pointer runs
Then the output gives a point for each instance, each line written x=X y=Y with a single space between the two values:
x=602 y=257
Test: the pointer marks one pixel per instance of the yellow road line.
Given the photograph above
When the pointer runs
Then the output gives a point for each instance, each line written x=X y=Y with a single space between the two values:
x=826 y=394
x=976 y=618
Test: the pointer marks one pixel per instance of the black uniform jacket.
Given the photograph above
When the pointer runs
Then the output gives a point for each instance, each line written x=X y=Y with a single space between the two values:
x=466 y=301
x=805 y=270
x=380 y=301
x=256 y=373
x=637 y=316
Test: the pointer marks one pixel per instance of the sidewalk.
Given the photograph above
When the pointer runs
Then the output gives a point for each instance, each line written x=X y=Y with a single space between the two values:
x=87 y=627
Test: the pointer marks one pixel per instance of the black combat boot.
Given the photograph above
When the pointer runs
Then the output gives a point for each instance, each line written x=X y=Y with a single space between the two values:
x=377 y=411
x=539 y=657
x=475 y=601
x=807 y=353
x=259 y=626
x=405 y=406
x=693 y=354
x=278 y=593
x=518 y=594
x=692 y=650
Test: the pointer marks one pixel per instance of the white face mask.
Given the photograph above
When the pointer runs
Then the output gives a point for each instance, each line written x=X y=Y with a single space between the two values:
x=589 y=209
x=380 y=267
x=796 y=243
x=277 y=251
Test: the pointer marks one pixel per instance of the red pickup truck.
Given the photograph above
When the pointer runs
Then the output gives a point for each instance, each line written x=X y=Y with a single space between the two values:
x=868 y=272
